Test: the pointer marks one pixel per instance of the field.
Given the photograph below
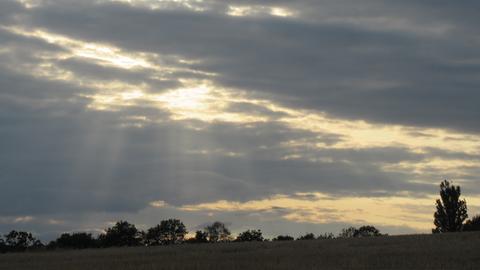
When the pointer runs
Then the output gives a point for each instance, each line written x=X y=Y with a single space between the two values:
x=449 y=252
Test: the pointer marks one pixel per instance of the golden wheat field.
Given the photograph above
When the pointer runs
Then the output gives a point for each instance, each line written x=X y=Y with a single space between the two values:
x=448 y=251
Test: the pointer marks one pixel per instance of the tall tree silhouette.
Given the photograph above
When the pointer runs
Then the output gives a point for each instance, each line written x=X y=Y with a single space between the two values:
x=451 y=211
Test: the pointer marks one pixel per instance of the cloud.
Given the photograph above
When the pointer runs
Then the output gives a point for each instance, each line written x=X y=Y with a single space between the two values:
x=112 y=110
x=333 y=65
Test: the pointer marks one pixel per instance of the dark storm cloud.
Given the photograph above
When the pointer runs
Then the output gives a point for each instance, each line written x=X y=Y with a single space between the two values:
x=341 y=63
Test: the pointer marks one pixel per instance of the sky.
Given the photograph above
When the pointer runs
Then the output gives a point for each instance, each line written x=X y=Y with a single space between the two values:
x=285 y=116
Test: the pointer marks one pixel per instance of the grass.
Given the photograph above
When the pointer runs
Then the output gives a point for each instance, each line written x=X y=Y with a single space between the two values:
x=447 y=251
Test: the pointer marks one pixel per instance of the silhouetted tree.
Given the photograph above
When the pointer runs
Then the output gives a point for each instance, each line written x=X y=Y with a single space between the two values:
x=367 y=231
x=200 y=237
x=218 y=232
x=451 y=211
x=153 y=236
x=250 y=236
x=79 y=240
x=326 y=236
x=21 y=241
x=3 y=246
x=283 y=238
x=308 y=236
x=122 y=234
x=171 y=231
x=472 y=224
x=348 y=232
x=364 y=231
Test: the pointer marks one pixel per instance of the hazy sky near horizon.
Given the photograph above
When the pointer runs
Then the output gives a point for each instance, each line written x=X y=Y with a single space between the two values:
x=287 y=116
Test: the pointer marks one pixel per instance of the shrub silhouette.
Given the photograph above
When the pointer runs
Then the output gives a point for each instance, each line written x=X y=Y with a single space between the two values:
x=472 y=224
x=363 y=231
x=79 y=240
x=451 y=211
x=122 y=234
x=308 y=236
x=250 y=236
x=367 y=231
x=326 y=236
x=283 y=238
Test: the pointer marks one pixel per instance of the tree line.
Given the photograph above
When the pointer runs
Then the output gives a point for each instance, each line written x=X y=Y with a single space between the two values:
x=168 y=232
x=450 y=216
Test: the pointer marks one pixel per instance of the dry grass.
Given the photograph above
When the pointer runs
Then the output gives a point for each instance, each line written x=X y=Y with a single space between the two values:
x=449 y=251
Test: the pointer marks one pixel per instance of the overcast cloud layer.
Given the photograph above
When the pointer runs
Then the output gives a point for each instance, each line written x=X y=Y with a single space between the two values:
x=255 y=113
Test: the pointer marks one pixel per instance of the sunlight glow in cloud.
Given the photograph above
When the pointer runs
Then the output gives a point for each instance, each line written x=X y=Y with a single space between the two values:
x=202 y=101
x=102 y=54
x=30 y=3
x=241 y=11
x=189 y=100
x=361 y=134
x=323 y=208
x=158 y=204
x=281 y=12
x=194 y=5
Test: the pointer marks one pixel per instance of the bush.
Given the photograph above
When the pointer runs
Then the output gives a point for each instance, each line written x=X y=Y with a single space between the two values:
x=308 y=236
x=250 y=236
x=326 y=236
x=472 y=224
x=367 y=231
x=364 y=231
x=283 y=238
x=74 y=241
